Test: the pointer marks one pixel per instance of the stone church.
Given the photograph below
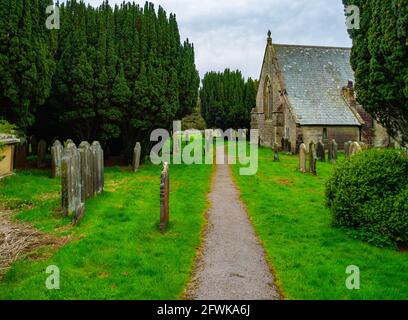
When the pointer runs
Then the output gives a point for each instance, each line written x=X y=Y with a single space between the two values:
x=306 y=94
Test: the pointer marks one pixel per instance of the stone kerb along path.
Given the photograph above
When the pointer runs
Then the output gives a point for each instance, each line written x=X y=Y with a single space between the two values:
x=232 y=263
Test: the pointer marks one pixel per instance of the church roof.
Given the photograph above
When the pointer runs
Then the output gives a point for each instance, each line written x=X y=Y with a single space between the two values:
x=314 y=78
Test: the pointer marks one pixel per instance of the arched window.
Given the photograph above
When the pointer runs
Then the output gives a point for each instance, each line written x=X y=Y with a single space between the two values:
x=268 y=98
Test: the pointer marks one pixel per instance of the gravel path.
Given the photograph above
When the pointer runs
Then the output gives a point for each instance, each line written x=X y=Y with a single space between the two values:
x=232 y=263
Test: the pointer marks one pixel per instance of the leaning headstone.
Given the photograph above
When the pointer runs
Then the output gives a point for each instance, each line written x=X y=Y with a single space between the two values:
x=71 y=182
x=56 y=155
x=276 y=152
x=136 y=156
x=333 y=148
x=164 y=197
x=312 y=158
x=20 y=154
x=302 y=157
x=320 y=152
x=41 y=153
x=347 y=149
x=355 y=148
x=86 y=171
x=97 y=167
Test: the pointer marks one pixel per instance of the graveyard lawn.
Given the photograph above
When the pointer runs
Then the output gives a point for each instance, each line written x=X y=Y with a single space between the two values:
x=117 y=251
x=309 y=257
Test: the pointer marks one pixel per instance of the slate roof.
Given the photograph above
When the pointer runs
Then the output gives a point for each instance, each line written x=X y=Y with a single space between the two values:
x=314 y=78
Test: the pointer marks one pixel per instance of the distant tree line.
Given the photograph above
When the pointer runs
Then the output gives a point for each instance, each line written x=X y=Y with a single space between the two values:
x=109 y=73
x=227 y=99
x=379 y=58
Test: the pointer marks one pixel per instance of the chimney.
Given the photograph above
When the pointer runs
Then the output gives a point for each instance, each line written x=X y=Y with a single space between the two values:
x=349 y=95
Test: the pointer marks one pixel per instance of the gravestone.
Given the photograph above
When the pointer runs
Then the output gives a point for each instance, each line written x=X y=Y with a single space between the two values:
x=176 y=143
x=347 y=149
x=56 y=155
x=302 y=158
x=320 y=152
x=164 y=197
x=276 y=152
x=41 y=153
x=86 y=171
x=254 y=137
x=71 y=182
x=312 y=158
x=333 y=148
x=355 y=148
x=33 y=145
x=364 y=146
x=20 y=154
x=136 y=156
x=97 y=168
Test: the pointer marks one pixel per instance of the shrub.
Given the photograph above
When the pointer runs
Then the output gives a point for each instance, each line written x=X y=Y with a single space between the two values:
x=369 y=193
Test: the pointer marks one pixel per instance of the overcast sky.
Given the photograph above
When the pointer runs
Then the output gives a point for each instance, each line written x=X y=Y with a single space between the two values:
x=232 y=33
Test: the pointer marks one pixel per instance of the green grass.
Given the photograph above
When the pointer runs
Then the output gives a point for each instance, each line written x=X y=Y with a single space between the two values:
x=117 y=251
x=309 y=256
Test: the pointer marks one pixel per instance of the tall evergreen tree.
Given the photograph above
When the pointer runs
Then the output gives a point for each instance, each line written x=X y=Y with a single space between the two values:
x=380 y=60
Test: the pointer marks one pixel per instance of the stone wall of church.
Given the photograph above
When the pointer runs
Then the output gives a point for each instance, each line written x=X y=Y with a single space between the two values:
x=339 y=133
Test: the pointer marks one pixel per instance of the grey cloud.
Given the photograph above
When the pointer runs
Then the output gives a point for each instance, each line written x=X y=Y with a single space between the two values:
x=232 y=33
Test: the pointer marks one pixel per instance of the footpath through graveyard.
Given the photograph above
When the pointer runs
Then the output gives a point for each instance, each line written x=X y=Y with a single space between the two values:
x=232 y=262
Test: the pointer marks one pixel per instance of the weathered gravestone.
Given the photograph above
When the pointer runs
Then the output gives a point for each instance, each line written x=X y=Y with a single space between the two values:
x=97 y=167
x=302 y=157
x=56 y=156
x=164 y=197
x=254 y=139
x=176 y=143
x=136 y=156
x=347 y=149
x=312 y=158
x=276 y=152
x=71 y=182
x=33 y=145
x=20 y=154
x=333 y=148
x=41 y=153
x=363 y=145
x=355 y=148
x=320 y=152
x=86 y=171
